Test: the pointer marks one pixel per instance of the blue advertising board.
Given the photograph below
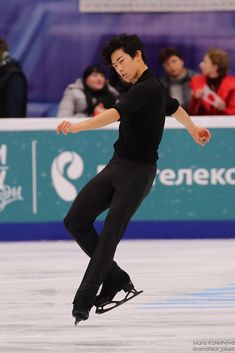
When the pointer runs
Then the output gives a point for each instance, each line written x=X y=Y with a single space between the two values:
x=41 y=173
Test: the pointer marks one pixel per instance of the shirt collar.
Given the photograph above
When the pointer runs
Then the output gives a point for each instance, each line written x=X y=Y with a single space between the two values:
x=146 y=74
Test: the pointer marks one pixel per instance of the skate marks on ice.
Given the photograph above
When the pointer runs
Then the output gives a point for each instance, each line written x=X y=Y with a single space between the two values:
x=188 y=298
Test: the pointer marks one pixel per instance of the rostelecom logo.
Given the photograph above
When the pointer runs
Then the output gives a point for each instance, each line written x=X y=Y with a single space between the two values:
x=8 y=194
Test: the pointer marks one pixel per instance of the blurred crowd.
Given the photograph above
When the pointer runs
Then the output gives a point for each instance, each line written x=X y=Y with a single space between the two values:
x=210 y=91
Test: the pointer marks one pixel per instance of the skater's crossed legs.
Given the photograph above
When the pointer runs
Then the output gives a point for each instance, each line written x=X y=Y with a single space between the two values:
x=125 y=201
x=91 y=201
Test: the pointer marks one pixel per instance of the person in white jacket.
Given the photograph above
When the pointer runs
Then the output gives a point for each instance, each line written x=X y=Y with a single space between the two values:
x=88 y=96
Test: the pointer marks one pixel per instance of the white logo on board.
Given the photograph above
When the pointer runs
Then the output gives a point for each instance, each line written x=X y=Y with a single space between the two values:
x=8 y=194
x=68 y=165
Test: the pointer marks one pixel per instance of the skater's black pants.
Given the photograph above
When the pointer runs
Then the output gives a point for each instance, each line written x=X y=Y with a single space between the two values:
x=120 y=187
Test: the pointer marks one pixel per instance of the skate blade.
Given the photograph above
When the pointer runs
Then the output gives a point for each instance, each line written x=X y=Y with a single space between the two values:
x=77 y=322
x=115 y=303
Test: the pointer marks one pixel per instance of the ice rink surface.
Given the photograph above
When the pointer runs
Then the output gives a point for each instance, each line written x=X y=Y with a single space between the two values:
x=188 y=304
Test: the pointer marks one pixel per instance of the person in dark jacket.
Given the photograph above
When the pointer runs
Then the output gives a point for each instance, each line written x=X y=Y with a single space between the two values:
x=13 y=85
x=176 y=77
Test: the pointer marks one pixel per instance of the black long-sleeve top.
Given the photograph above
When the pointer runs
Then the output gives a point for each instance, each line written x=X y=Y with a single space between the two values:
x=142 y=117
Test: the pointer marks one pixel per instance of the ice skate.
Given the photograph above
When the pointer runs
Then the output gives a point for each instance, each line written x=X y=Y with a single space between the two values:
x=81 y=313
x=104 y=301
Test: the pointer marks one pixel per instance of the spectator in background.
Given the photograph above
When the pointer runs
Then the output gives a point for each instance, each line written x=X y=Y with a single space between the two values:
x=176 y=78
x=88 y=96
x=213 y=92
x=13 y=85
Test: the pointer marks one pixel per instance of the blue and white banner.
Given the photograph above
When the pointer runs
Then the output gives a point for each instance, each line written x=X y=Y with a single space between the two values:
x=42 y=172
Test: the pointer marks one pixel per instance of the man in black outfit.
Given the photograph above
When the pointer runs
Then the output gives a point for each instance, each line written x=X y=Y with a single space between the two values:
x=127 y=179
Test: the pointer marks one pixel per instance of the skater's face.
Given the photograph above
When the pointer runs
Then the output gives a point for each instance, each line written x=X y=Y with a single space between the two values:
x=126 y=66
x=207 y=67
x=174 y=66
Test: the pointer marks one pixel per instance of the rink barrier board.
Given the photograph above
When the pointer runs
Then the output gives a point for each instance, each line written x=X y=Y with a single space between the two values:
x=181 y=216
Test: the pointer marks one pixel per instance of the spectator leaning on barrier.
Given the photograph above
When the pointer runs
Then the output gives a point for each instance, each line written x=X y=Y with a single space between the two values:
x=176 y=78
x=88 y=96
x=213 y=92
x=13 y=85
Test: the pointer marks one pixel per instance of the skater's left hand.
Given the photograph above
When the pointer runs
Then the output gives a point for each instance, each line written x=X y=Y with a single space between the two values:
x=200 y=135
x=65 y=127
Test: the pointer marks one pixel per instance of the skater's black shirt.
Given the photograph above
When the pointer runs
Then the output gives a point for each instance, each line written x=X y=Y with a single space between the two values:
x=142 y=116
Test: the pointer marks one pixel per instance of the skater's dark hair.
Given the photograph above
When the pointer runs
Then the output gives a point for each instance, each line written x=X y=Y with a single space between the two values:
x=129 y=43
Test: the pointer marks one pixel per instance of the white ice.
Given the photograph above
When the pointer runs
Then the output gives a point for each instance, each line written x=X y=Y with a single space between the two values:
x=187 y=304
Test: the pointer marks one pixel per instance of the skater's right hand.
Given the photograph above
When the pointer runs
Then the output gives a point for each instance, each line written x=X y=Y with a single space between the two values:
x=65 y=127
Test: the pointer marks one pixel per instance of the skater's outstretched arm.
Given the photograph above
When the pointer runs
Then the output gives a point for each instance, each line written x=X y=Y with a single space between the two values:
x=105 y=118
x=199 y=133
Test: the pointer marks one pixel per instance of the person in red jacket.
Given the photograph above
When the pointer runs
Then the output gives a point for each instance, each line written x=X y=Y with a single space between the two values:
x=213 y=92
